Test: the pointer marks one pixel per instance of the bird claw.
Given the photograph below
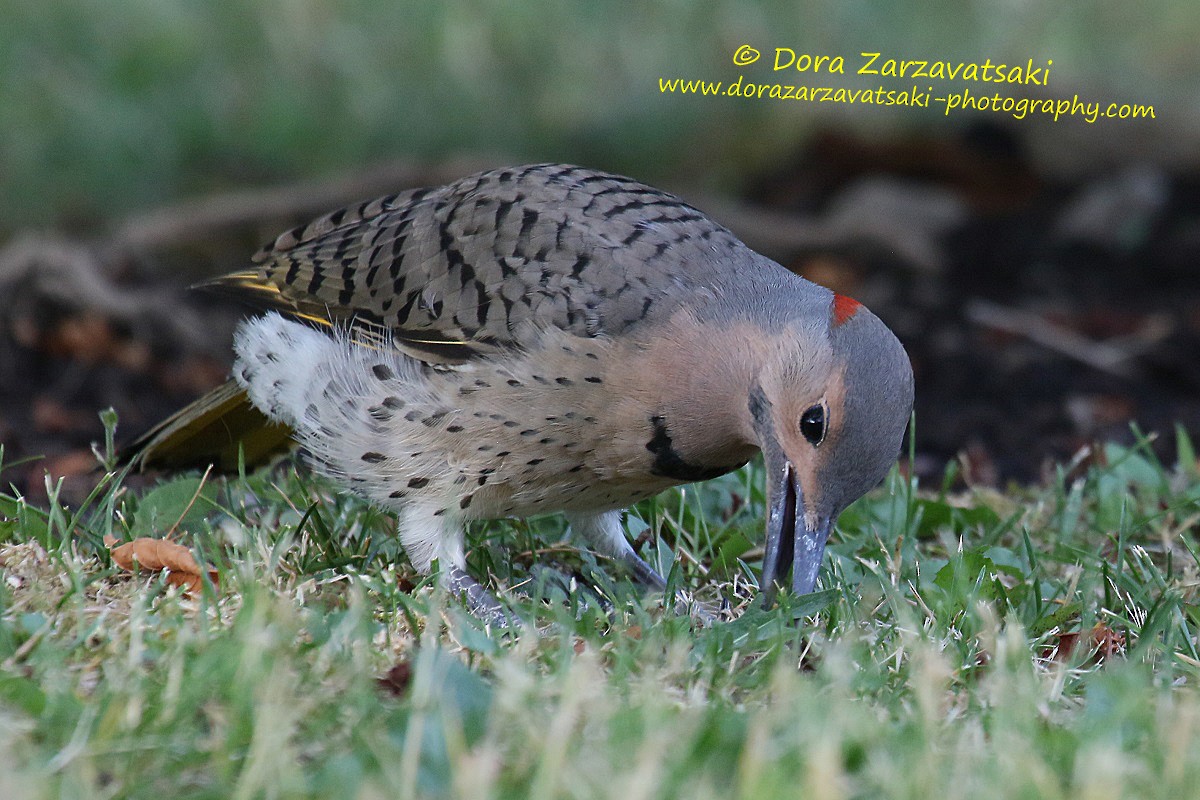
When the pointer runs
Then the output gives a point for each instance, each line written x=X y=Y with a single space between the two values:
x=549 y=583
x=648 y=577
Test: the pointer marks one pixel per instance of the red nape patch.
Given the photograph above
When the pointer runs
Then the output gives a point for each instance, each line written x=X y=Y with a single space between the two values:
x=844 y=308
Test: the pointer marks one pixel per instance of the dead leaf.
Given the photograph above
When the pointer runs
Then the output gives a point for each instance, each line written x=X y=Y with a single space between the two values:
x=1106 y=642
x=397 y=679
x=160 y=554
x=1109 y=642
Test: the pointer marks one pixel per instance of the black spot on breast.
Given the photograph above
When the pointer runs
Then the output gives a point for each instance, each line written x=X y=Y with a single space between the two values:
x=670 y=464
x=454 y=428
x=593 y=379
x=418 y=483
x=396 y=495
x=533 y=462
x=393 y=402
x=565 y=381
x=383 y=372
x=372 y=457
x=466 y=501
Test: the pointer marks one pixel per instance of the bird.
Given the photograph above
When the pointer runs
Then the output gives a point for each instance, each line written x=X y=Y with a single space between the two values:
x=549 y=338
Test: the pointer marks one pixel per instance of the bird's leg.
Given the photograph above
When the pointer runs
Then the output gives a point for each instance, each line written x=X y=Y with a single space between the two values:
x=604 y=534
x=427 y=536
x=479 y=600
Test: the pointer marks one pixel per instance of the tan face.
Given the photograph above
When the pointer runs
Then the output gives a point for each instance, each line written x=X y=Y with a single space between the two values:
x=805 y=390
x=809 y=427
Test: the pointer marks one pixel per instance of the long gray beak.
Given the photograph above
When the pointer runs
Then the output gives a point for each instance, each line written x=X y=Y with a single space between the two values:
x=791 y=544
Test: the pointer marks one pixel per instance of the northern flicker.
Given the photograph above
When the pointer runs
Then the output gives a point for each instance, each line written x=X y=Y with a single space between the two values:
x=550 y=338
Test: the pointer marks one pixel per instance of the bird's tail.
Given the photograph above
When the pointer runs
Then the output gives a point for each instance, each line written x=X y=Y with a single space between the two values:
x=222 y=428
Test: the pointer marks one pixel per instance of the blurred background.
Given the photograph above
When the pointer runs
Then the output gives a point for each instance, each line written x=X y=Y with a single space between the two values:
x=1043 y=274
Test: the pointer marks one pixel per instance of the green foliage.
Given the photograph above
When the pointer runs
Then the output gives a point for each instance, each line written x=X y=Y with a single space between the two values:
x=921 y=668
x=179 y=505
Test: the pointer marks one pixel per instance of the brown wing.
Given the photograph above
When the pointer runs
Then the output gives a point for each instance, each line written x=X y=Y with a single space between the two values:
x=219 y=429
x=485 y=263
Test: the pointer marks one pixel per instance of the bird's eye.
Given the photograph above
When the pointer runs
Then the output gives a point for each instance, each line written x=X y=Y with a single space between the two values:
x=812 y=424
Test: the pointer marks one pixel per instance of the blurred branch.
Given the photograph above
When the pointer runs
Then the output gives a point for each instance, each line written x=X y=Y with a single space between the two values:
x=903 y=218
x=1114 y=356
x=212 y=216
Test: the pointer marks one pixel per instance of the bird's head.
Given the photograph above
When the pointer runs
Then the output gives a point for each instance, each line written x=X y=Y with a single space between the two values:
x=829 y=411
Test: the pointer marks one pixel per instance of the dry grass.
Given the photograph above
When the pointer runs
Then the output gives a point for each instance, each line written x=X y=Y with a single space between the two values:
x=927 y=667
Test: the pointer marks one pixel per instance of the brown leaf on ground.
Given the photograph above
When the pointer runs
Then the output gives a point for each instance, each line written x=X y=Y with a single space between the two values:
x=397 y=679
x=157 y=555
x=1105 y=642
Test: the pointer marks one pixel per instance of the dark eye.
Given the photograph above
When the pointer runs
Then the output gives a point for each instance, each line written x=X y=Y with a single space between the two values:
x=812 y=424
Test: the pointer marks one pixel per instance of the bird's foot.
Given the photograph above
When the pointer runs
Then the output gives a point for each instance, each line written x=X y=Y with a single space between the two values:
x=644 y=574
x=480 y=602
x=702 y=613
x=648 y=577
x=551 y=585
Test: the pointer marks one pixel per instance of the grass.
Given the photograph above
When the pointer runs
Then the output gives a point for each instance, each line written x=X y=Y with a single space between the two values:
x=324 y=666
